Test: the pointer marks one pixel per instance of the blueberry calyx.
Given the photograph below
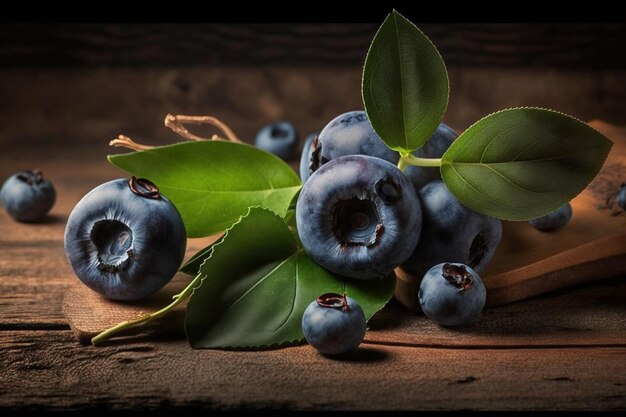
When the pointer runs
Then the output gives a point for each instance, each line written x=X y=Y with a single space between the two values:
x=458 y=276
x=143 y=188
x=356 y=222
x=333 y=300
x=316 y=160
x=31 y=177
x=477 y=250
x=388 y=190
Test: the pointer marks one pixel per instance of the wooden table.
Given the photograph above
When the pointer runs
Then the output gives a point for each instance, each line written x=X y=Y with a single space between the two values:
x=565 y=350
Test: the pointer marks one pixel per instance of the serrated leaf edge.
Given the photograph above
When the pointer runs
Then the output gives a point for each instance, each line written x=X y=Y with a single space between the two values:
x=399 y=149
x=444 y=160
x=219 y=242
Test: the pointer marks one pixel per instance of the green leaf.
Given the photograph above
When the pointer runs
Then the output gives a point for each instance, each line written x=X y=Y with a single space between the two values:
x=519 y=164
x=212 y=183
x=257 y=284
x=405 y=85
x=192 y=266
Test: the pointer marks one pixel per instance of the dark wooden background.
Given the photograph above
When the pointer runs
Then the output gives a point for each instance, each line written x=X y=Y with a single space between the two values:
x=81 y=84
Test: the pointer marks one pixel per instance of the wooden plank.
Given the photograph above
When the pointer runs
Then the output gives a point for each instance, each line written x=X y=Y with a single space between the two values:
x=570 y=45
x=49 y=370
x=593 y=315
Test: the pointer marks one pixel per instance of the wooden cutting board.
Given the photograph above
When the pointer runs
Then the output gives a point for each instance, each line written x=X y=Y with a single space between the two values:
x=527 y=262
x=591 y=246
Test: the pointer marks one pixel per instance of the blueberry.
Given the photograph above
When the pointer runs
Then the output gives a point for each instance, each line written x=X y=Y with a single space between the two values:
x=279 y=138
x=124 y=240
x=305 y=157
x=621 y=197
x=349 y=133
x=358 y=216
x=554 y=220
x=27 y=196
x=451 y=233
x=452 y=294
x=334 y=324
x=435 y=147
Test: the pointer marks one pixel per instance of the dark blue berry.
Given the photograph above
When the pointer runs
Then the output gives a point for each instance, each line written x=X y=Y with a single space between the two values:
x=620 y=199
x=358 y=216
x=334 y=324
x=124 y=240
x=305 y=157
x=451 y=232
x=435 y=147
x=452 y=294
x=279 y=138
x=27 y=196
x=554 y=220
x=349 y=133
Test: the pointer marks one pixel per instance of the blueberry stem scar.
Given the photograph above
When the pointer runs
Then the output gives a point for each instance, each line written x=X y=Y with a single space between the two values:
x=175 y=123
x=417 y=161
x=148 y=317
x=143 y=188
x=333 y=300
x=458 y=276
x=31 y=177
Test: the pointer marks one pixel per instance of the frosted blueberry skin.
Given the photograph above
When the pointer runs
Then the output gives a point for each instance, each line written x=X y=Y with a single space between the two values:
x=349 y=133
x=27 y=196
x=435 y=147
x=358 y=216
x=620 y=199
x=305 y=157
x=279 y=138
x=451 y=232
x=123 y=245
x=444 y=298
x=554 y=220
x=334 y=330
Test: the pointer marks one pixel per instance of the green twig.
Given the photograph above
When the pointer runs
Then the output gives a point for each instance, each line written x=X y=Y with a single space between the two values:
x=147 y=318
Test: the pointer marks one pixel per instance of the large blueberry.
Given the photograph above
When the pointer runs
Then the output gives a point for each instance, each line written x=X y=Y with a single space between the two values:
x=435 y=147
x=349 y=133
x=451 y=233
x=553 y=220
x=124 y=240
x=358 y=216
x=279 y=138
x=334 y=324
x=305 y=157
x=27 y=196
x=620 y=199
x=452 y=294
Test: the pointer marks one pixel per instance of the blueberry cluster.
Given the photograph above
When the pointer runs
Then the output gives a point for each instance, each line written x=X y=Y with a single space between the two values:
x=360 y=216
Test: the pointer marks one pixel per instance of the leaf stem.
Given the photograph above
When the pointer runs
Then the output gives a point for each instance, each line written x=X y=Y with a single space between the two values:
x=147 y=318
x=402 y=164
x=417 y=161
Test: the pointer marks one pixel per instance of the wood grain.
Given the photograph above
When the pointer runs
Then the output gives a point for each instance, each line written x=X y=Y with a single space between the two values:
x=48 y=370
x=566 y=45
x=56 y=114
